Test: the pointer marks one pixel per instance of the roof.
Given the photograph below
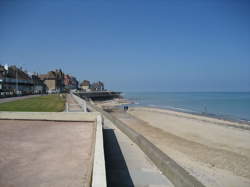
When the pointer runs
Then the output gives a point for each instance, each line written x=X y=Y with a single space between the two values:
x=85 y=83
x=57 y=74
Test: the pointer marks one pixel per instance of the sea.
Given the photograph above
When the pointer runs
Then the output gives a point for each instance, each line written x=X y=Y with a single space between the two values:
x=225 y=105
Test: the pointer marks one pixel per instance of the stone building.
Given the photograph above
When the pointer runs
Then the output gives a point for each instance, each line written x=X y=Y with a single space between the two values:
x=70 y=82
x=54 y=81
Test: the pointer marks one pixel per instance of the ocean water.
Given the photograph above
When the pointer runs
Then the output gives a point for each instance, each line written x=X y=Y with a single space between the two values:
x=228 y=105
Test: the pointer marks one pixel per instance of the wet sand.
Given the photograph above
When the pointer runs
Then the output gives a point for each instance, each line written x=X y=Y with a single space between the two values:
x=216 y=152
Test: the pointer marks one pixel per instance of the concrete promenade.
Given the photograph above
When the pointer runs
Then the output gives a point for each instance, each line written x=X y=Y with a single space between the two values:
x=71 y=104
x=47 y=149
x=173 y=171
x=126 y=164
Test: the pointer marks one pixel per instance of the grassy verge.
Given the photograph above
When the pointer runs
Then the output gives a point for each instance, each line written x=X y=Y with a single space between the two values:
x=49 y=103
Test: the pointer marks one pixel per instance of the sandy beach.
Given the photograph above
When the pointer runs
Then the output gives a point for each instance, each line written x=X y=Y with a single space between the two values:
x=216 y=152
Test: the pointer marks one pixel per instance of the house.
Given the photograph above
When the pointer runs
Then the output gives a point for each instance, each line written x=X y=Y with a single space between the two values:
x=54 y=81
x=39 y=87
x=2 y=75
x=85 y=85
x=15 y=81
x=70 y=82
x=97 y=86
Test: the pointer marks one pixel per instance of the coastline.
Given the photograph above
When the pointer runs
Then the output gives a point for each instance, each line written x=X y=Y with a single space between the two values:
x=120 y=103
x=231 y=106
x=209 y=115
x=243 y=124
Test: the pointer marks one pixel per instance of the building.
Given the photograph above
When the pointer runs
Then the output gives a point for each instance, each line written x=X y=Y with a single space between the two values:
x=70 y=82
x=39 y=87
x=15 y=81
x=97 y=86
x=85 y=85
x=2 y=76
x=54 y=81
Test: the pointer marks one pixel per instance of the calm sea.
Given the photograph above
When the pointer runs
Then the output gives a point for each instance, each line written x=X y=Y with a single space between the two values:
x=229 y=105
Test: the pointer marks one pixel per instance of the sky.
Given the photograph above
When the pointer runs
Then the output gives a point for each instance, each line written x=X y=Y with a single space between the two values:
x=132 y=45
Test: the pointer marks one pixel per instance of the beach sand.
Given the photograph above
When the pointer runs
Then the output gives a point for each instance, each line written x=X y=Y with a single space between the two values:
x=216 y=152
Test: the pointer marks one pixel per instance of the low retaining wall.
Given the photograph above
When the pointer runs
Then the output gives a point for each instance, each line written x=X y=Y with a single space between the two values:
x=80 y=101
x=99 y=170
x=175 y=173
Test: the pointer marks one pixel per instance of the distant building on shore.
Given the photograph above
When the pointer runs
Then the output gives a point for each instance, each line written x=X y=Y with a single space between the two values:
x=96 y=86
x=54 y=81
x=70 y=82
x=16 y=81
x=85 y=85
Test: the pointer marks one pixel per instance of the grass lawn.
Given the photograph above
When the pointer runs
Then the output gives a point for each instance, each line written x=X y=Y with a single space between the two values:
x=49 y=103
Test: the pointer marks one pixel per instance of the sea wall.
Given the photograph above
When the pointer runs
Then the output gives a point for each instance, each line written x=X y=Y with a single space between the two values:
x=174 y=172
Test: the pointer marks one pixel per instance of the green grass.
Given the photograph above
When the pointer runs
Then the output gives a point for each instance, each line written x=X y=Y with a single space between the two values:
x=50 y=103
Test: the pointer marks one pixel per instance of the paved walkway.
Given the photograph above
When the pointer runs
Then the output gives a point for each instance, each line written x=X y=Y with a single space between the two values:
x=9 y=99
x=45 y=153
x=73 y=106
x=126 y=163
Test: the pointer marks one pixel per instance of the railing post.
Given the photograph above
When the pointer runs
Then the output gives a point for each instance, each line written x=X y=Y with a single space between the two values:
x=84 y=106
x=66 y=107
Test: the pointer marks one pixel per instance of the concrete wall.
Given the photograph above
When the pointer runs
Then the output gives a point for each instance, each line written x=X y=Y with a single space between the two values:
x=51 y=84
x=99 y=170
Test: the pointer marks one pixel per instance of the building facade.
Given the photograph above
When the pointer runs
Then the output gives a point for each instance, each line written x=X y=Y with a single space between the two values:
x=54 y=81
x=15 y=81
x=70 y=82
x=39 y=87
x=97 y=86
x=85 y=85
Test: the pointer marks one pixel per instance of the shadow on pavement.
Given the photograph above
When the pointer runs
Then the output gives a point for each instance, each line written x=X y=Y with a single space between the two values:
x=116 y=168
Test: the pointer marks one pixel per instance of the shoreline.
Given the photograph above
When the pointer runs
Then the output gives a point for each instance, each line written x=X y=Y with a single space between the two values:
x=119 y=103
x=209 y=115
x=212 y=116
x=245 y=125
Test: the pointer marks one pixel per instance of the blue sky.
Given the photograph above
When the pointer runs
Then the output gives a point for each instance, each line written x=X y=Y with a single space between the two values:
x=132 y=45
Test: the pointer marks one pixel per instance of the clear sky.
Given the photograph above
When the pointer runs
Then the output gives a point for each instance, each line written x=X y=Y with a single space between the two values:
x=132 y=45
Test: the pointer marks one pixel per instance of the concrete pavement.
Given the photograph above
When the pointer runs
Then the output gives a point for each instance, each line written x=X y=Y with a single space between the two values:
x=72 y=105
x=46 y=153
x=126 y=163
